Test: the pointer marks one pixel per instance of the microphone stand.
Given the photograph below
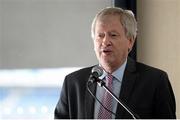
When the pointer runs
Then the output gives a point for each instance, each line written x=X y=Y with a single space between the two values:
x=102 y=84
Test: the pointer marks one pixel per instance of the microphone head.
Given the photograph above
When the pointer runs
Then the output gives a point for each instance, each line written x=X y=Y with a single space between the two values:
x=97 y=71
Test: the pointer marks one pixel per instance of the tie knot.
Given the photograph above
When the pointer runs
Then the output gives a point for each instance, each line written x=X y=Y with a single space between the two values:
x=109 y=78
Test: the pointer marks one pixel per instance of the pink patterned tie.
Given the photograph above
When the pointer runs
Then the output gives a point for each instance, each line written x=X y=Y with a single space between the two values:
x=106 y=101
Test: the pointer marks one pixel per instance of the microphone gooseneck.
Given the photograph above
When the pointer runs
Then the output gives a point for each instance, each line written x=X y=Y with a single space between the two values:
x=87 y=86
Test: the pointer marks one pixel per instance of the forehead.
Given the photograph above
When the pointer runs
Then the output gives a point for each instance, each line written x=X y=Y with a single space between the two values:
x=109 y=22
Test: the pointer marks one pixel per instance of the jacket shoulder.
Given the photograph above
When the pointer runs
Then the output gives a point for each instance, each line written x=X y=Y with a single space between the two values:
x=141 y=67
x=80 y=72
x=80 y=75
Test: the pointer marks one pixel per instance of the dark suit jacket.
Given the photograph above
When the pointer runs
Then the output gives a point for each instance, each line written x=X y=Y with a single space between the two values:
x=145 y=90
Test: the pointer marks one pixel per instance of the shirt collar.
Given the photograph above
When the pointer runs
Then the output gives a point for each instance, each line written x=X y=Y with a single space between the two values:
x=118 y=74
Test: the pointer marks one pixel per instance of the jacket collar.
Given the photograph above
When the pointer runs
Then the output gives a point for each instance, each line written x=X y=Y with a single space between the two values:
x=127 y=86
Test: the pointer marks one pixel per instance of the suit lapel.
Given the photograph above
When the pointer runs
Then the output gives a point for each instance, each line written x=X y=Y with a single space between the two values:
x=127 y=86
x=89 y=101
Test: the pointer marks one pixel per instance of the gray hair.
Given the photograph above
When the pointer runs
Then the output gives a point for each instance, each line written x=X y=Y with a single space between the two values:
x=127 y=20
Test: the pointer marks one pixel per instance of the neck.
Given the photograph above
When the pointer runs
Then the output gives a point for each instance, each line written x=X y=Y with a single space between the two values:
x=110 y=68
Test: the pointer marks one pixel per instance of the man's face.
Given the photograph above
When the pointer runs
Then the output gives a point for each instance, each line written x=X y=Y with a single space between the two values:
x=110 y=43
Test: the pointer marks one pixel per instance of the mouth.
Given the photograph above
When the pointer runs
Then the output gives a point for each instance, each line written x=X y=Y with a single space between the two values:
x=106 y=51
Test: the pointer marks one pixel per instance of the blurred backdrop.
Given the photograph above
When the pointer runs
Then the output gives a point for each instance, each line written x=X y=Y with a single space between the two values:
x=41 y=41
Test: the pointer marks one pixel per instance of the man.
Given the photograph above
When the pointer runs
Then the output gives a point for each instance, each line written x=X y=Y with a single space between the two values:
x=145 y=90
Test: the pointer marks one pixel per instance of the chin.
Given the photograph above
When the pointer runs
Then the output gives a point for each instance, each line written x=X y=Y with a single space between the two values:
x=107 y=62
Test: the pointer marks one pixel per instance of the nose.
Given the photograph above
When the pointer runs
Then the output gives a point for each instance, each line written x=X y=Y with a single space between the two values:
x=106 y=41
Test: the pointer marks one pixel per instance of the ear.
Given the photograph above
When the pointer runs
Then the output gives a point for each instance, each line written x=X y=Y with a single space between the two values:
x=130 y=44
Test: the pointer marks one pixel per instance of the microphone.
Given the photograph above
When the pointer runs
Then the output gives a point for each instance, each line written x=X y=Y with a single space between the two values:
x=96 y=72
